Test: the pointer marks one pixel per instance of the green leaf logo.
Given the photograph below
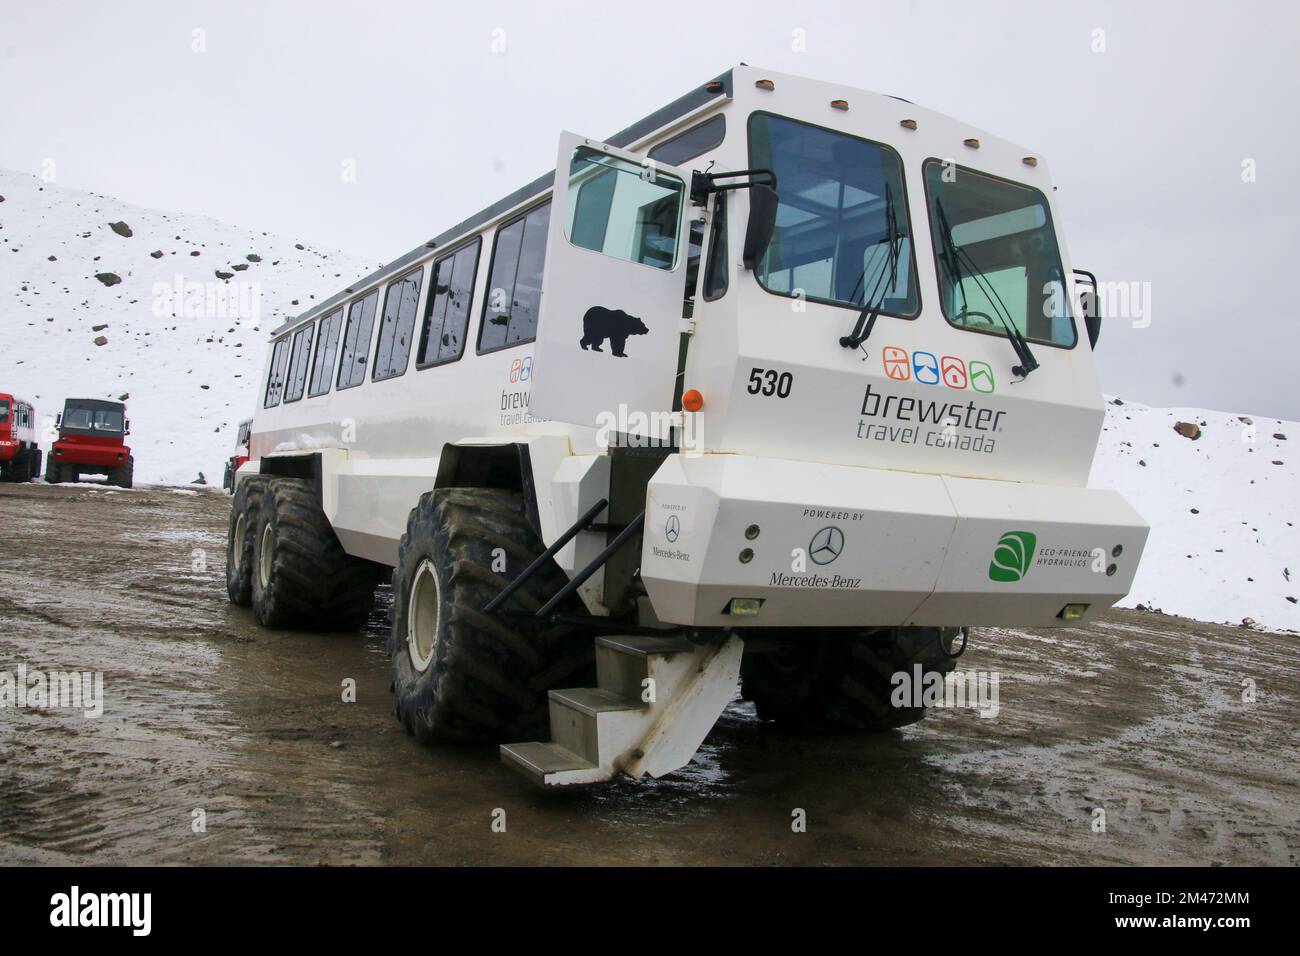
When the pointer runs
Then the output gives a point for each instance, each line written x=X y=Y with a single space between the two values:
x=1012 y=556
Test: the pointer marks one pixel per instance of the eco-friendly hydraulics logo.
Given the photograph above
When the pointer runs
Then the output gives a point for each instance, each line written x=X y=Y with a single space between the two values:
x=1013 y=556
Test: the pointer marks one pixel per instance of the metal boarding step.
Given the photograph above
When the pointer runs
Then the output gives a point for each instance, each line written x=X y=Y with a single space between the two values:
x=655 y=701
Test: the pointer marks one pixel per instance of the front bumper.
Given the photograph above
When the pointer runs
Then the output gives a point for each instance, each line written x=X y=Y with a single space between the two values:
x=90 y=456
x=828 y=545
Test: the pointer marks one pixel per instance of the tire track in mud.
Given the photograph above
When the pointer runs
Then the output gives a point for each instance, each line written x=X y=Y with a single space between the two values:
x=1164 y=745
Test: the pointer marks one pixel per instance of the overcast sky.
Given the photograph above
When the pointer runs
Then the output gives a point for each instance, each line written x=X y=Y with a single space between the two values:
x=445 y=107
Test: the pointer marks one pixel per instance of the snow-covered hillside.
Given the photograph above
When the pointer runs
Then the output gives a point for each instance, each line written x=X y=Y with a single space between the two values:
x=178 y=339
x=1223 y=510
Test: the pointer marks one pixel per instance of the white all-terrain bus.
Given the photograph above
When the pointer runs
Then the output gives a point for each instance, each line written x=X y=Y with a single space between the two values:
x=787 y=385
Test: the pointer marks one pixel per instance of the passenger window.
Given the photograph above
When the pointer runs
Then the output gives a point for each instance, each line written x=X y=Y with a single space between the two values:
x=446 y=315
x=515 y=282
x=327 y=344
x=623 y=209
x=694 y=142
x=356 y=340
x=275 y=378
x=298 y=363
x=398 y=324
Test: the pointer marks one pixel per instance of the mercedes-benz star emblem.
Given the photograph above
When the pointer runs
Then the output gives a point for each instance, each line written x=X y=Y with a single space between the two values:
x=672 y=529
x=826 y=545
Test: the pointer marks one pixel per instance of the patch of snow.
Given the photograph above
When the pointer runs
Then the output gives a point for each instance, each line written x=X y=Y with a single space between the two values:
x=1223 y=510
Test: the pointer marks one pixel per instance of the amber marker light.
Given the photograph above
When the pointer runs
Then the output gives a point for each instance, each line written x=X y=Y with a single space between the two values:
x=692 y=400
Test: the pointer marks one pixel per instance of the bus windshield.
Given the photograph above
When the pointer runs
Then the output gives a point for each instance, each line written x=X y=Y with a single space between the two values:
x=102 y=420
x=833 y=240
x=996 y=255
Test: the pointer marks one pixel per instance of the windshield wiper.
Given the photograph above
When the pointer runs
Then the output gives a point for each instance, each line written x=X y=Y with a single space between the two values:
x=952 y=259
x=873 y=304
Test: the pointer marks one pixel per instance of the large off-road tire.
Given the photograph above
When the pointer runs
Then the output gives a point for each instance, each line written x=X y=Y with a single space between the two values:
x=458 y=673
x=124 y=476
x=301 y=575
x=18 y=468
x=239 y=540
x=831 y=680
x=35 y=470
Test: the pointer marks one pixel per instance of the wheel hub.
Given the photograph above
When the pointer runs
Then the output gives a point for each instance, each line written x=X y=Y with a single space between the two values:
x=264 y=565
x=237 y=551
x=423 y=617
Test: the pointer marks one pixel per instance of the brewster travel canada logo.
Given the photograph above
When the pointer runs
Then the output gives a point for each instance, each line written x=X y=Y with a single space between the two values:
x=1013 y=556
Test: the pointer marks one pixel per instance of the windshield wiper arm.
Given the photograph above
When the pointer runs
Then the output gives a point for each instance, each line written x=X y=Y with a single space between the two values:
x=873 y=304
x=954 y=256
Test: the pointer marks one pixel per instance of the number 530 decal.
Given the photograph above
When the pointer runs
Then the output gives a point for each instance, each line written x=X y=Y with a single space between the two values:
x=768 y=381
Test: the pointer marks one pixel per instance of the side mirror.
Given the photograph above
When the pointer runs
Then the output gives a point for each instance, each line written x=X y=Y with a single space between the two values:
x=127 y=429
x=763 y=201
x=58 y=420
x=1086 y=282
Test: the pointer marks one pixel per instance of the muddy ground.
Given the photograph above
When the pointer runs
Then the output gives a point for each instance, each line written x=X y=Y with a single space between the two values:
x=1138 y=715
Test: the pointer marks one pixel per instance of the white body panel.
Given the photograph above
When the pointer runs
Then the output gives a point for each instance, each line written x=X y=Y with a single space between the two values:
x=903 y=549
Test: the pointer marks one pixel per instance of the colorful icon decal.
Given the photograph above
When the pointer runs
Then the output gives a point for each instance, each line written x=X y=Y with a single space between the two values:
x=952 y=371
x=981 y=377
x=897 y=365
x=926 y=368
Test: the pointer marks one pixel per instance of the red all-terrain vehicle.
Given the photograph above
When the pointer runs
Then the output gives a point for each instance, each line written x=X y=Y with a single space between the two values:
x=20 y=456
x=239 y=457
x=92 y=440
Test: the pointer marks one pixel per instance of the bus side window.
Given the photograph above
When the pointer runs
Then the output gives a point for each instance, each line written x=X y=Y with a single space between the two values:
x=446 y=314
x=327 y=341
x=401 y=302
x=297 y=380
x=356 y=340
x=275 y=378
x=514 y=291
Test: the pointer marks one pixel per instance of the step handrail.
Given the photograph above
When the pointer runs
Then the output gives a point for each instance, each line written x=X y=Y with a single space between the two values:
x=582 y=523
x=596 y=563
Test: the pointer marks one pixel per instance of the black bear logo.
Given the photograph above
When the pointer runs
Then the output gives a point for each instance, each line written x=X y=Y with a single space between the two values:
x=616 y=325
